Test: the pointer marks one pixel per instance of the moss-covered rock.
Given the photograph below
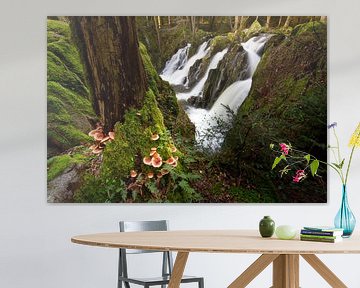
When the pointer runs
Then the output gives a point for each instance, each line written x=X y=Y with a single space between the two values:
x=133 y=141
x=287 y=103
x=70 y=113
x=65 y=174
x=174 y=117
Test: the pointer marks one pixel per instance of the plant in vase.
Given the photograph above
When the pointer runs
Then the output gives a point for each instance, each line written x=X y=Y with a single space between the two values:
x=304 y=163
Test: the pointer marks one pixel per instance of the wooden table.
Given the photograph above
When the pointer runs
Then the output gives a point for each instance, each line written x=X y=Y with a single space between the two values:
x=284 y=254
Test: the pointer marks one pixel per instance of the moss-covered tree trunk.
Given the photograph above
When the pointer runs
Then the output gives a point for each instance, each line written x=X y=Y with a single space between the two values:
x=110 y=51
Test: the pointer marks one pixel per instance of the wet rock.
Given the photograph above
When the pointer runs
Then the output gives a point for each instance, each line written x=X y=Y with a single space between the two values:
x=233 y=67
x=61 y=189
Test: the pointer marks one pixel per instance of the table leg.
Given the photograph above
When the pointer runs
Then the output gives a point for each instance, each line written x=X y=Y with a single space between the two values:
x=286 y=271
x=324 y=271
x=253 y=270
x=178 y=269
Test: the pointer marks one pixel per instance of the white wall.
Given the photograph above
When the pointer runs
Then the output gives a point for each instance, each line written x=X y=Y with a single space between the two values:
x=35 y=248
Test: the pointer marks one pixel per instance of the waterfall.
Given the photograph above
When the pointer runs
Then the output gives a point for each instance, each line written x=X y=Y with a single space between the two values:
x=176 y=62
x=198 y=89
x=177 y=74
x=232 y=97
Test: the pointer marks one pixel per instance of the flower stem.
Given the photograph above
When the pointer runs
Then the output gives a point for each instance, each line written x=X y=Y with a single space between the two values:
x=348 y=166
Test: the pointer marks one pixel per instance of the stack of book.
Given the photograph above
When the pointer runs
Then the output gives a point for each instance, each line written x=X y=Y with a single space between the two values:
x=321 y=234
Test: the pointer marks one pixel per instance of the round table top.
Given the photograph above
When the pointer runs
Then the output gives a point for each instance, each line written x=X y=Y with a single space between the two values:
x=219 y=241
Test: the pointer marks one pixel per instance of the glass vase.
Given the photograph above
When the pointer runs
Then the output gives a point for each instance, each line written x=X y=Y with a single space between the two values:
x=345 y=219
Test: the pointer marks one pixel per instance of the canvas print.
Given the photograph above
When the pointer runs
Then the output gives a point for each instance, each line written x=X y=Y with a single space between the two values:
x=186 y=109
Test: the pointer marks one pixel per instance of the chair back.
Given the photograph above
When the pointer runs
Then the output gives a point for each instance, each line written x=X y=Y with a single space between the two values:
x=135 y=226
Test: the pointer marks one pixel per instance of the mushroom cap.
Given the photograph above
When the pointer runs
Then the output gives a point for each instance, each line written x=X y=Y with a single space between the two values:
x=92 y=132
x=164 y=171
x=174 y=164
x=154 y=154
x=133 y=173
x=98 y=136
x=147 y=160
x=150 y=175
x=155 y=137
x=111 y=135
x=176 y=158
x=159 y=175
x=171 y=160
x=92 y=147
x=173 y=148
x=156 y=161
x=97 y=150
x=106 y=138
x=153 y=148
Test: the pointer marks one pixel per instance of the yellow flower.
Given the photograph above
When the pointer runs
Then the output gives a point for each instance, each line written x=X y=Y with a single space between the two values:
x=355 y=138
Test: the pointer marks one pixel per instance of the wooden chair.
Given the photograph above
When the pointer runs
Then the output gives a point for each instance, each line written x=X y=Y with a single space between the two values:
x=167 y=262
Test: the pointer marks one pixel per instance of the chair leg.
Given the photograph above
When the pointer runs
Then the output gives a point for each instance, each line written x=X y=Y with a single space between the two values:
x=201 y=283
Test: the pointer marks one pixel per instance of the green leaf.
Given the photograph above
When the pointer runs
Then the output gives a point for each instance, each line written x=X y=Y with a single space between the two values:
x=271 y=146
x=307 y=157
x=277 y=161
x=314 y=167
x=342 y=163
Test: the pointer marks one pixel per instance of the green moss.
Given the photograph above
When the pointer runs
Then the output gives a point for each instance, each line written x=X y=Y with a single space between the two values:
x=73 y=102
x=59 y=28
x=254 y=28
x=69 y=107
x=69 y=56
x=56 y=165
x=173 y=116
x=220 y=42
x=133 y=141
x=57 y=71
x=286 y=106
x=310 y=27
x=152 y=76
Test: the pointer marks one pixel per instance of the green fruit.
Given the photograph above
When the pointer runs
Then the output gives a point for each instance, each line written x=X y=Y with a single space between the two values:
x=285 y=232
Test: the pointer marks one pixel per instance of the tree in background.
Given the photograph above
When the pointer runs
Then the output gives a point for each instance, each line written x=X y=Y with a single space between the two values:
x=110 y=51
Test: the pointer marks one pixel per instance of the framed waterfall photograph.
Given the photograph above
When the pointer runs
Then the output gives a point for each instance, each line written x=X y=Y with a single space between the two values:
x=186 y=109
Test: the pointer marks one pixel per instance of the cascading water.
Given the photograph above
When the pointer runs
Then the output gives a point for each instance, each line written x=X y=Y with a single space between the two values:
x=177 y=74
x=198 y=89
x=176 y=62
x=232 y=97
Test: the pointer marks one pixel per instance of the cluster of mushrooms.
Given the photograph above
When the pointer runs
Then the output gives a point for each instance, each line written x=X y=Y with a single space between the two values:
x=155 y=160
x=100 y=139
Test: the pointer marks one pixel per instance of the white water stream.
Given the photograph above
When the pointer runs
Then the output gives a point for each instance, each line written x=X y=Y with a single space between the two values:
x=199 y=87
x=177 y=75
x=232 y=97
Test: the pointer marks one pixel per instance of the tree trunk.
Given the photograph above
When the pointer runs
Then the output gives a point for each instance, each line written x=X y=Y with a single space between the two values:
x=236 y=24
x=280 y=21
x=115 y=72
x=157 y=29
x=230 y=23
x=243 y=22
x=193 y=25
x=268 y=18
x=212 y=23
x=287 y=22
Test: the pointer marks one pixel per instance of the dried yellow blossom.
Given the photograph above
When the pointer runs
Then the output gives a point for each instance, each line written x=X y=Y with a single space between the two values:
x=355 y=138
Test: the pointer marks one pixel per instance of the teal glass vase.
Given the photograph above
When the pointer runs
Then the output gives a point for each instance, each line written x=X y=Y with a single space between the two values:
x=345 y=219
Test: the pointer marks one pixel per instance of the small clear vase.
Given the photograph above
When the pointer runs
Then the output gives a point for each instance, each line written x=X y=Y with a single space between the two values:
x=345 y=219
